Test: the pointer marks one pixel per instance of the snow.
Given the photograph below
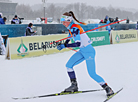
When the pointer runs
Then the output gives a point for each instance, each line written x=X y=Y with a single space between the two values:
x=117 y=64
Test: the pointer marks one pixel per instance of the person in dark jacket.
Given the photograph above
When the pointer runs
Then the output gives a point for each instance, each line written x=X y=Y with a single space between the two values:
x=29 y=31
x=106 y=19
x=137 y=26
x=111 y=20
x=15 y=20
x=0 y=16
x=3 y=20
x=116 y=20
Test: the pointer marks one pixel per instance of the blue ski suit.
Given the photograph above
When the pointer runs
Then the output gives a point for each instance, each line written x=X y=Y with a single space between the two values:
x=86 y=52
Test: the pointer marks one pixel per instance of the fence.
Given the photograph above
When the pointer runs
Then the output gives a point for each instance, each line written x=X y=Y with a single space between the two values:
x=45 y=29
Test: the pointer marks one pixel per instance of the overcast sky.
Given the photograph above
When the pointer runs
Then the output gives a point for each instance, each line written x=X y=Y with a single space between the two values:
x=103 y=3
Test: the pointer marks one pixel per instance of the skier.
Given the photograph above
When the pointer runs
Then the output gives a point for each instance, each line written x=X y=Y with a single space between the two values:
x=86 y=52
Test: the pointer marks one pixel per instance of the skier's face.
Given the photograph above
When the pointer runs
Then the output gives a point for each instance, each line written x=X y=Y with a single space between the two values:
x=66 y=23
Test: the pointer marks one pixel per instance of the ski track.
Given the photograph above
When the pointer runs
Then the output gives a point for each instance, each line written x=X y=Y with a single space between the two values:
x=27 y=77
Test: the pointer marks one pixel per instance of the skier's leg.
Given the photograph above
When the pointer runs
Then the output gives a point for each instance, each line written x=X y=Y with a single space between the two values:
x=89 y=54
x=96 y=77
x=92 y=71
x=74 y=60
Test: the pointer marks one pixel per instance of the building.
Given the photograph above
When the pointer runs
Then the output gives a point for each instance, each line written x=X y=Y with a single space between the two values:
x=7 y=8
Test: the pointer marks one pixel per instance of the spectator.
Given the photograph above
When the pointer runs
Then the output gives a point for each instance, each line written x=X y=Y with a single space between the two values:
x=116 y=19
x=0 y=15
x=3 y=20
x=15 y=20
x=108 y=27
x=106 y=19
x=127 y=21
x=29 y=31
x=111 y=20
x=101 y=21
x=137 y=26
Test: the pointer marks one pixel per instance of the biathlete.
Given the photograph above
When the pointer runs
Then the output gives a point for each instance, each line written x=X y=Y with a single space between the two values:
x=86 y=52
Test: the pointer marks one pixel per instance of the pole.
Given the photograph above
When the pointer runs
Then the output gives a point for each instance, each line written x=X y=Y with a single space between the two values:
x=44 y=5
x=44 y=12
x=90 y=30
x=44 y=9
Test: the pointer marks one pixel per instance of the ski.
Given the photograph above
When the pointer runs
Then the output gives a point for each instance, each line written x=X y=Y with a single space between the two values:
x=113 y=95
x=58 y=94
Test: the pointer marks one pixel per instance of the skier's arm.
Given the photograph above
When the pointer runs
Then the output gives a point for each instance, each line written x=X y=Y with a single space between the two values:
x=76 y=36
x=61 y=46
x=76 y=44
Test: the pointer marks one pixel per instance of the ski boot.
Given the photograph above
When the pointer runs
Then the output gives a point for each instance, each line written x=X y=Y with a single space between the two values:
x=108 y=90
x=73 y=87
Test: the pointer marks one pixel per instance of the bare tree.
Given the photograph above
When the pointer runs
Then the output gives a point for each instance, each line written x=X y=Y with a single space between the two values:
x=50 y=11
x=90 y=12
x=136 y=16
x=77 y=10
x=24 y=11
x=58 y=13
x=81 y=11
x=111 y=12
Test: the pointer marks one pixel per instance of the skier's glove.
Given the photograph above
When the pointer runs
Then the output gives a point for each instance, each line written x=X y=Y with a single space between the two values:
x=60 y=46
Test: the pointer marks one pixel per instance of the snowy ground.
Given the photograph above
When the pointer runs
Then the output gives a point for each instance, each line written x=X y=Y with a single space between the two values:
x=117 y=64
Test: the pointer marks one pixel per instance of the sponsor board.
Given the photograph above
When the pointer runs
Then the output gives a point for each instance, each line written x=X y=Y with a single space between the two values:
x=98 y=38
x=124 y=36
x=29 y=46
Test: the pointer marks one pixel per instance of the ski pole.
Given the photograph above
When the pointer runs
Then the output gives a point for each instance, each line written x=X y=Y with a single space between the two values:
x=87 y=32
x=90 y=30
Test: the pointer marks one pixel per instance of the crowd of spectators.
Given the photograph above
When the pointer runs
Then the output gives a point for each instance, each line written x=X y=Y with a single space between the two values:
x=109 y=19
x=2 y=19
x=17 y=20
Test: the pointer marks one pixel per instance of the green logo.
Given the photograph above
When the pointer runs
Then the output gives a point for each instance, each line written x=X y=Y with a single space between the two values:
x=117 y=38
x=22 y=50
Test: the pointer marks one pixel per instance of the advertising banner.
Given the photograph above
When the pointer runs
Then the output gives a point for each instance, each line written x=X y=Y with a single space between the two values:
x=124 y=36
x=29 y=46
x=98 y=38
